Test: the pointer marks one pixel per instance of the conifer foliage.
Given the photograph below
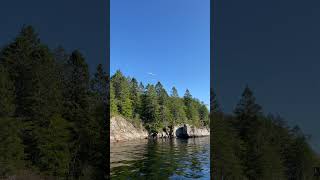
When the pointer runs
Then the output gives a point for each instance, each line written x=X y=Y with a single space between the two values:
x=250 y=145
x=51 y=111
x=153 y=106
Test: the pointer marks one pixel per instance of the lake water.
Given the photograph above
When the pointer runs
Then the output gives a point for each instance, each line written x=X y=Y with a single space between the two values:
x=161 y=159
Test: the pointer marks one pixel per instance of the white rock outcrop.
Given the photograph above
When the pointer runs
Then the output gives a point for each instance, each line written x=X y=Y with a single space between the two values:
x=122 y=130
x=187 y=131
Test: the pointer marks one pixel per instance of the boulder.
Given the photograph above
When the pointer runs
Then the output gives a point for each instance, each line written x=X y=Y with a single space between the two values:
x=187 y=131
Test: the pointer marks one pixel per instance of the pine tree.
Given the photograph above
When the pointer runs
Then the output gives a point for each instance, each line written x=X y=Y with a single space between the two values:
x=163 y=100
x=226 y=163
x=54 y=148
x=97 y=129
x=122 y=93
x=177 y=108
x=141 y=88
x=99 y=83
x=151 y=109
x=190 y=108
x=203 y=114
x=135 y=97
x=247 y=107
x=77 y=111
x=246 y=111
x=214 y=104
x=11 y=148
x=113 y=103
x=174 y=92
x=7 y=106
x=32 y=68
x=247 y=124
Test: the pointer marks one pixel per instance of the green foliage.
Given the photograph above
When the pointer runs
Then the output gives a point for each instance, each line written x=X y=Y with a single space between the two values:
x=122 y=94
x=7 y=107
x=135 y=97
x=204 y=114
x=226 y=163
x=152 y=106
x=53 y=147
x=176 y=107
x=250 y=145
x=151 y=109
x=11 y=148
x=247 y=111
x=51 y=120
x=191 y=108
x=113 y=103
x=214 y=104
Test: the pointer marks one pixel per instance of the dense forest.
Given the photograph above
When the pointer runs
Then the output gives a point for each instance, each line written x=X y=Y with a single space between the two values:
x=52 y=112
x=153 y=106
x=250 y=145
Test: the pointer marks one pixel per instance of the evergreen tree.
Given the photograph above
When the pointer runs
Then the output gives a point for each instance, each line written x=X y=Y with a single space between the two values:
x=96 y=128
x=11 y=148
x=122 y=93
x=214 y=104
x=54 y=149
x=99 y=83
x=174 y=93
x=190 y=108
x=135 y=97
x=37 y=90
x=177 y=108
x=141 y=88
x=113 y=103
x=7 y=97
x=226 y=163
x=246 y=111
x=151 y=109
x=77 y=112
x=204 y=114
x=163 y=100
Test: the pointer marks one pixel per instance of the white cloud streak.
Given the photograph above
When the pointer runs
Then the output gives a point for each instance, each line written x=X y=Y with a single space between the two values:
x=151 y=74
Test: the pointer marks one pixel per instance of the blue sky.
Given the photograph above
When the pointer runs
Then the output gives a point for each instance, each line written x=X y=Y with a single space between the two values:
x=273 y=46
x=166 y=41
x=81 y=26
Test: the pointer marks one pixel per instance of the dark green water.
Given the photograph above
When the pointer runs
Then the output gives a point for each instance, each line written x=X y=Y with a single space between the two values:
x=161 y=159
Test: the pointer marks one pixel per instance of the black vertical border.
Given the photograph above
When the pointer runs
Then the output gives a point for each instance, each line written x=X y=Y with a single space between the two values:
x=211 y=83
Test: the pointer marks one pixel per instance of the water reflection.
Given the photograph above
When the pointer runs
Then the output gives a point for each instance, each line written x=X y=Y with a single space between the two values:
x=161 y=159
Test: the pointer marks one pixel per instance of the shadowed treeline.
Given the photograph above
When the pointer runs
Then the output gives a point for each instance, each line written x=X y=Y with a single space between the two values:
x=251 y=145
x=51 y=112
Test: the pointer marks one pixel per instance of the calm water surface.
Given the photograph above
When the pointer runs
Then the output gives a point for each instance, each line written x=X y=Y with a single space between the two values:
x=161 y=159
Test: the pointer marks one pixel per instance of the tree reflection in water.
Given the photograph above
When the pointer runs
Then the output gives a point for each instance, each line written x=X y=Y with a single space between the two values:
x=161 y=159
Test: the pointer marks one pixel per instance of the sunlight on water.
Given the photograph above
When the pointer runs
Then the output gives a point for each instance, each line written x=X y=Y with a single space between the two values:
x=161 y=159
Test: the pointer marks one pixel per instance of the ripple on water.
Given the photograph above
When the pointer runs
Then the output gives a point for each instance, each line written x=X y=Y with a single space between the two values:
x=161 y=159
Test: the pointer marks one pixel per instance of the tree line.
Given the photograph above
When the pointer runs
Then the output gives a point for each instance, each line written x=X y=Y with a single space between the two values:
x=250 y=145
x=51 y=111
x=153 y=106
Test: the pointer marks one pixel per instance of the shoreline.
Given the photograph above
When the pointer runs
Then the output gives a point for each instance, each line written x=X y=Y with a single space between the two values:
x=122 y=130
x=159 y=138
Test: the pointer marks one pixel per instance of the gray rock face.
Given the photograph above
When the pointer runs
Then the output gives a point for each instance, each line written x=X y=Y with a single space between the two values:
x=123 y=130
x=187 y=131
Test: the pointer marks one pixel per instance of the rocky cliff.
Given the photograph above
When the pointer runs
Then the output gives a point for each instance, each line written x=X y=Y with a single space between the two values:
x=123 y=130
x=187 y=131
